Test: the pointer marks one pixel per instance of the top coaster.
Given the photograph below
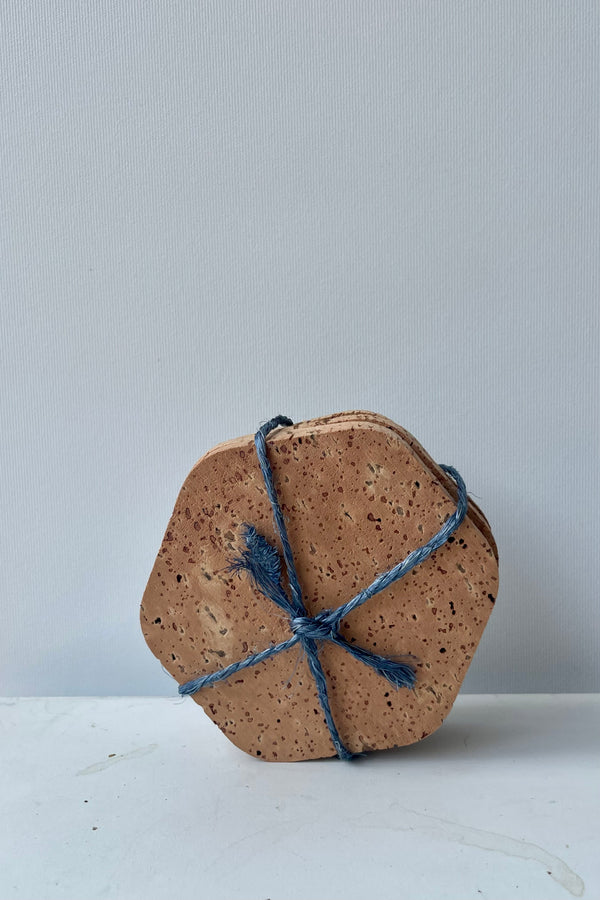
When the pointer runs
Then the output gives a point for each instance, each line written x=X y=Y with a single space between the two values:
x=358 y=494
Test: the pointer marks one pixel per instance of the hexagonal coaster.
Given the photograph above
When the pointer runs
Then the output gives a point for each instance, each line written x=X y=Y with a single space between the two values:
x=358 y=494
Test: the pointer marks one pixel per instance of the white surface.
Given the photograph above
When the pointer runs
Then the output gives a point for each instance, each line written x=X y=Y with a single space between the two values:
x=144 y=799
x=217 y=211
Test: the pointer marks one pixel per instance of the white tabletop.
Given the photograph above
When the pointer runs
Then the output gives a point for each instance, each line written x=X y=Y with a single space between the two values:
x=144 y=798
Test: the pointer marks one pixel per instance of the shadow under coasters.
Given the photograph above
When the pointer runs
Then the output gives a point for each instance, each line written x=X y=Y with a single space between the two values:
x=358 y=496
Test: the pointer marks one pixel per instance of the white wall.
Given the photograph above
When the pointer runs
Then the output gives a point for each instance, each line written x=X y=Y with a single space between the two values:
x=213 y=212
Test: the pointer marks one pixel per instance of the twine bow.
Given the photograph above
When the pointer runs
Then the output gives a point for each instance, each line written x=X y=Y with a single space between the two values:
x=262 y=562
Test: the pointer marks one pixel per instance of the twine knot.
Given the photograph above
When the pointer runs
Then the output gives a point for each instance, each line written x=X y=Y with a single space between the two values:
x=322 y=627
x=261 y=561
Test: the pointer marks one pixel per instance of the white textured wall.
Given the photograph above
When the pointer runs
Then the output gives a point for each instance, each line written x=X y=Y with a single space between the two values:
x=213 y=212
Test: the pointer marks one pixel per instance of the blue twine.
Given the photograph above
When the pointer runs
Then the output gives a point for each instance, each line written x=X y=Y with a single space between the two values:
x=262 y=562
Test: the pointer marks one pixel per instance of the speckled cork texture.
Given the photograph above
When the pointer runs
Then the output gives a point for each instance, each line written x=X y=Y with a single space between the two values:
x=358 y=493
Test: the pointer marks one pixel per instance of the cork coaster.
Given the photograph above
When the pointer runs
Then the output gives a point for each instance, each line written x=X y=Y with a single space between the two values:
x=358 y=494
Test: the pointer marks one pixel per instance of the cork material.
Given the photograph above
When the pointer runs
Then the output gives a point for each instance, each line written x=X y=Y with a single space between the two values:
x=358 y=494
x=474 y=512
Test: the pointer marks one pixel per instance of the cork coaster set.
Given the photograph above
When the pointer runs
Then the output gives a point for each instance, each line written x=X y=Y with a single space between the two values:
x=357 y=495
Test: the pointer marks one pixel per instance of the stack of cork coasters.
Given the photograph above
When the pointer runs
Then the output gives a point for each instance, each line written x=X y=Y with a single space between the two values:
x=358 y=494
